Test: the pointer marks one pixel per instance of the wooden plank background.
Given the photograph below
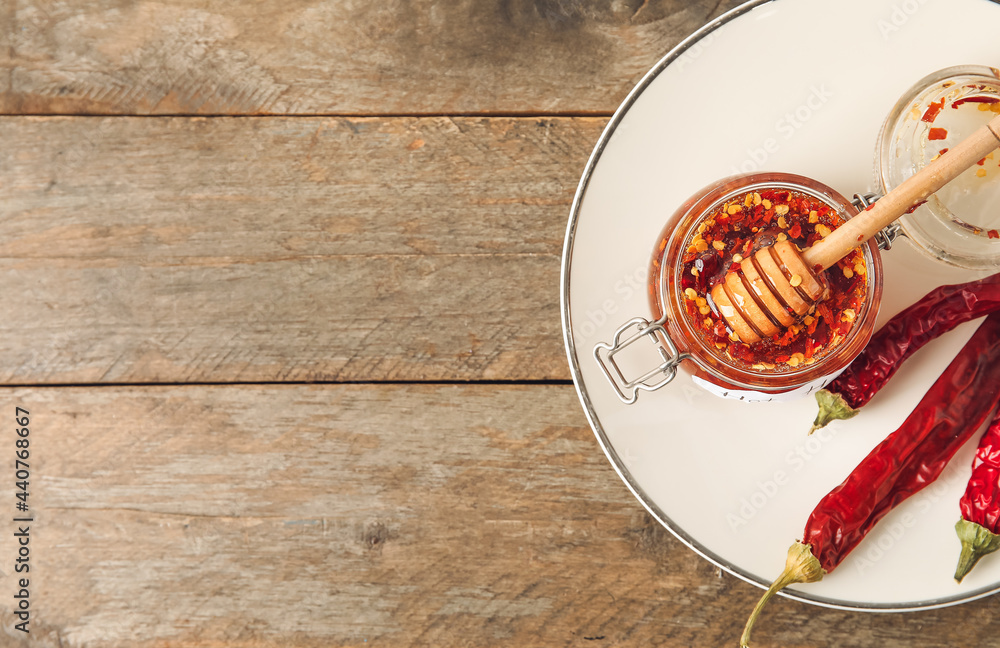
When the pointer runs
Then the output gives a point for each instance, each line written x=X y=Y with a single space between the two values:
x=342 y=57
x=281 y=295
x=301 y=249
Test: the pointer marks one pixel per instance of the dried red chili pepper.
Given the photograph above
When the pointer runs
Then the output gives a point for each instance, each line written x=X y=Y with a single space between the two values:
x=937 y=312
x=979 y=528
x=905 y=462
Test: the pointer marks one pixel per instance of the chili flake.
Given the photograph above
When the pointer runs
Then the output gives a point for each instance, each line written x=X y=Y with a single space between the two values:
x=937 y=134
x=737 y=229
x=932 y=111
x=984 y=102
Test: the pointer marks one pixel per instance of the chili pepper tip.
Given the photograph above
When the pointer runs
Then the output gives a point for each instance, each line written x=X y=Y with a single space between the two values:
x=977 y=541
x=801 y=566
x=832 y=407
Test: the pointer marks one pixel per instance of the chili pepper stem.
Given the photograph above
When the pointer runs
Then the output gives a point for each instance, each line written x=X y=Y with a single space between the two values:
x=977 y=541
x=832 y=407
x=801 y=566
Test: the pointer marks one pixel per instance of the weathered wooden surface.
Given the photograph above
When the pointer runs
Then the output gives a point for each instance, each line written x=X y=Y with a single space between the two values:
x=360 y=515
x=337 y=56
x=285 y=249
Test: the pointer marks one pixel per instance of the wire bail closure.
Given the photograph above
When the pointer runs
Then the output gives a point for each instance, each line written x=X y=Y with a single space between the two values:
x=670 y=356
x=628 y=390
x=888 y=234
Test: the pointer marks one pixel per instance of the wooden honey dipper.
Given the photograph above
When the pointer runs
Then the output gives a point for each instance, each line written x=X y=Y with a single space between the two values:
x=758 y=300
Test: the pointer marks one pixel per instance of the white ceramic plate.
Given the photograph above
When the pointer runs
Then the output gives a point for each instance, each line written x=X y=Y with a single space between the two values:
x=787 y=85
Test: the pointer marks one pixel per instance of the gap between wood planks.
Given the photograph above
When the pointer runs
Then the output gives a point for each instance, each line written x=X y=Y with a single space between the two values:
x=332 y=115
x=282 y=383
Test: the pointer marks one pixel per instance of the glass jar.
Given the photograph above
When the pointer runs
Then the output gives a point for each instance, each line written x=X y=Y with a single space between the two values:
x=710 y=360
x=713 y=367
x=960 y=224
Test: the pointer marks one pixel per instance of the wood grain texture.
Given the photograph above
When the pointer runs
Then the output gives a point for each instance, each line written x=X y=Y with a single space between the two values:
x=333 y=219
x=285 y=249
x=359 y=515
x=334 y=56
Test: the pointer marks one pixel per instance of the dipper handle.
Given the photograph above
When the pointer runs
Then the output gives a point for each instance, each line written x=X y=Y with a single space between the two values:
x=897 y=202
x=755 y=304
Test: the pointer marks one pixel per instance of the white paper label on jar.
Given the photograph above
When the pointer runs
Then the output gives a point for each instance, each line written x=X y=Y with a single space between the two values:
x=763 y=397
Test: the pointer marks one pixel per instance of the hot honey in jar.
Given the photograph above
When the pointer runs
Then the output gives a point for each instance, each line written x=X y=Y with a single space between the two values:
x=711 y=235
x=736 y=230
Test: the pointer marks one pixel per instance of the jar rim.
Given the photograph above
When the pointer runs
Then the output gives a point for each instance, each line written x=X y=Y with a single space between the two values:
x=667 y=282
x=937 y=229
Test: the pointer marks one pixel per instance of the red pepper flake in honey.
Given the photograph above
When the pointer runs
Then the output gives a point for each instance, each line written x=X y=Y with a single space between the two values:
x=979 y=100
x=937 y=134
x=932 y=111
x=746 y=224
x=993 y=234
